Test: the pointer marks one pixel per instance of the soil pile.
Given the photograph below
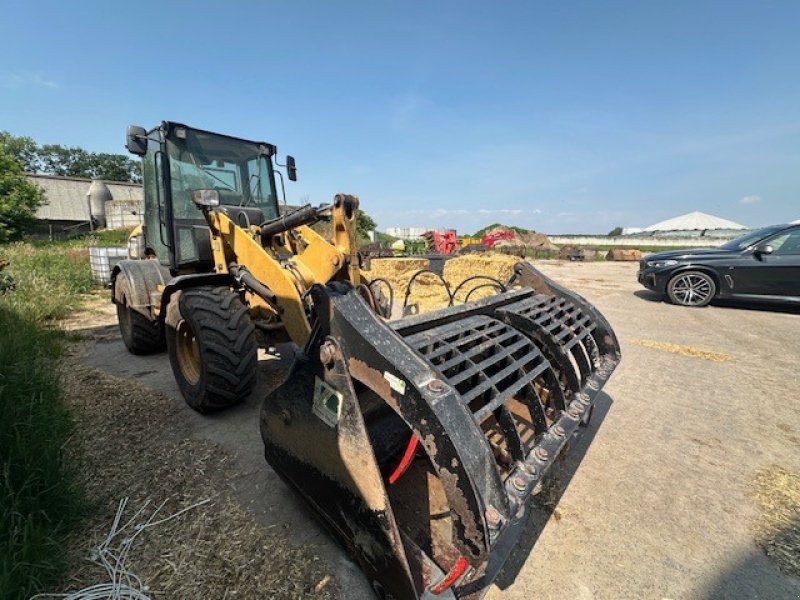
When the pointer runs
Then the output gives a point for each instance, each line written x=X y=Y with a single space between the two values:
x=538 y=241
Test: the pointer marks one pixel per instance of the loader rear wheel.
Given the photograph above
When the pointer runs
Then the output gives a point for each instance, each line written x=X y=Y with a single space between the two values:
x=140 y=334
x=212 y=348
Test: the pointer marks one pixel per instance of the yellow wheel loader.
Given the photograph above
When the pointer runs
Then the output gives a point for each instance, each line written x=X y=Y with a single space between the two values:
x=418 y=442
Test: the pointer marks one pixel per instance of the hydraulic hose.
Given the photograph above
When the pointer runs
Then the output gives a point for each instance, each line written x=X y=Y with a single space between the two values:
x=302 y=216
x=247 y=279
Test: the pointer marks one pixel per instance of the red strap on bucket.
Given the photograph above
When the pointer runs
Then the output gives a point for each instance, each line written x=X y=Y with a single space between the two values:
x=408 y=456
x=457 y=571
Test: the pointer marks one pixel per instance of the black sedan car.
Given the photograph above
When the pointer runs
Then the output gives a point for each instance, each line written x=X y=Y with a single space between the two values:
x=761 y=265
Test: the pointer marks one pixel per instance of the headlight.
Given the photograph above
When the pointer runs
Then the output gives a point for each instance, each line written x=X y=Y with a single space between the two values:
x=136 y=247
x=661 y=263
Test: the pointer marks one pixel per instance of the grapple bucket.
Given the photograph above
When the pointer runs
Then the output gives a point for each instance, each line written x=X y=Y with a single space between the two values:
x=419 y=441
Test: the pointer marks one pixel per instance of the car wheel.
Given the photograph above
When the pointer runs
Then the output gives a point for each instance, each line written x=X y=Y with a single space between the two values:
x=691 y=288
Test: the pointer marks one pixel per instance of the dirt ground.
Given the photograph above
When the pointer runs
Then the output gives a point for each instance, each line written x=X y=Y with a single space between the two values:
x=136 y=446
x=661 y=498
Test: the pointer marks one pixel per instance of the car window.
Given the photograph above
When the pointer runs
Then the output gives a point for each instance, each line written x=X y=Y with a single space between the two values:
x=786 y=243
x=751 y=238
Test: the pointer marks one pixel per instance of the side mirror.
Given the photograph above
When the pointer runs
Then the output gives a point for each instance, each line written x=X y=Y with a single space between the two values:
x=291 y=168
x=762 y=249
x=137 y=140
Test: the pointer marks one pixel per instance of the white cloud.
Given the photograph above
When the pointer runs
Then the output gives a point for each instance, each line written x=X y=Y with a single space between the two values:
x=500 y=211
x=750 y=200
x=21 y=79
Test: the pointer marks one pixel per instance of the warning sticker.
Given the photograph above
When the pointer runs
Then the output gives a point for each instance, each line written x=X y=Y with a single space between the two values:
x=397 y=384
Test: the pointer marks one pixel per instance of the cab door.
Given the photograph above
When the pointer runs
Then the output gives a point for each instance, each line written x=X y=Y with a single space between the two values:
x=158 y=234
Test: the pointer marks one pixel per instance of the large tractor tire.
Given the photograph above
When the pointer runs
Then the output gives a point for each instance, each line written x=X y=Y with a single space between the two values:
x=212 y=348
x=140 y=334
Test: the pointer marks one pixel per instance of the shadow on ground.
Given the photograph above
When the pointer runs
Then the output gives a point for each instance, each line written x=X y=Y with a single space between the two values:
x=744 y=579
x=792 y=309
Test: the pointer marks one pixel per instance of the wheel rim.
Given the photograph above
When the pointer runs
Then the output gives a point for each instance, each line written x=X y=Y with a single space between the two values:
x=691 y=289
x=188 y=352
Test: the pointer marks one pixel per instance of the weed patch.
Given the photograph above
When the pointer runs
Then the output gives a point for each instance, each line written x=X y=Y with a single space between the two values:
x=41 y=500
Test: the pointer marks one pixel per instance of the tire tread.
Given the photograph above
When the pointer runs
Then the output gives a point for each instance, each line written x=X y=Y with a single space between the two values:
x=228 y=348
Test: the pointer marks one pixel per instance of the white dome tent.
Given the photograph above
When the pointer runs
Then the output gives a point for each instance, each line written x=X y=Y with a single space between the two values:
x=694 y=221
x=696 y=224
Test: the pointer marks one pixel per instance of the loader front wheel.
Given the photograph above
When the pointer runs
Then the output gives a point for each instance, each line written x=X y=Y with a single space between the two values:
x=212 y=348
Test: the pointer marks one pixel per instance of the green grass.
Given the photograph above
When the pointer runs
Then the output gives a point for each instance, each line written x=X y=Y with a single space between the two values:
x=49 y=278
x=109 y=237
x=41 y=501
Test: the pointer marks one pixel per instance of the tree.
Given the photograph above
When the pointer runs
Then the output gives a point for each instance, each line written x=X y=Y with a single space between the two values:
x=19 y=199
x=54 y=159
x=615 y=231
x=364 y=223
x=23 y=149
x=77 y=162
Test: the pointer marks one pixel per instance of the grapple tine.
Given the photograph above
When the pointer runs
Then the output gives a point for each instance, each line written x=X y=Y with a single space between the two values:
x=493 y=390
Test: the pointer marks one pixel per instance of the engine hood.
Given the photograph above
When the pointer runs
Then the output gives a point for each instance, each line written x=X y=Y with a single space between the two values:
x=689 y=253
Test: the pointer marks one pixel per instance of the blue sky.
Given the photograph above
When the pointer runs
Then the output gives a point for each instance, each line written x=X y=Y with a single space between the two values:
x=558 y=116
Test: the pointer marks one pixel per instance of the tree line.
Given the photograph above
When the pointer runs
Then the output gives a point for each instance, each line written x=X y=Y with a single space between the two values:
x=69 y=161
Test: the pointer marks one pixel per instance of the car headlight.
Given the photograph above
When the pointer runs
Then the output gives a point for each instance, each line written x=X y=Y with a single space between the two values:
x=661 y=263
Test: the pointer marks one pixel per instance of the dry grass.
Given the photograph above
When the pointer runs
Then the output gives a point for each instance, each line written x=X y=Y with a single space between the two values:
x=690 y=351
x=498 y=266
x=134 y=444
x=427 y=291
x=778 y=531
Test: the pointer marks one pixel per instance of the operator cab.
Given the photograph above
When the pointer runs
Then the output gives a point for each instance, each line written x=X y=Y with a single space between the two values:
x=177 y=160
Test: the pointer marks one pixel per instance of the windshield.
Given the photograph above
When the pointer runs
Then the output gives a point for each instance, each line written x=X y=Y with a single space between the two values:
x=751 y=238
x=239 y=170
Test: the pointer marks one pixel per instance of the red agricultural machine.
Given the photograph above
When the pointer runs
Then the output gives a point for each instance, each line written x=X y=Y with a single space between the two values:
x=446 y=242
x=441 y=242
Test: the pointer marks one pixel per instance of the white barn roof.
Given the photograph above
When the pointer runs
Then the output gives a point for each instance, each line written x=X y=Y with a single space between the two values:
x=694 y=221
x=65 y=197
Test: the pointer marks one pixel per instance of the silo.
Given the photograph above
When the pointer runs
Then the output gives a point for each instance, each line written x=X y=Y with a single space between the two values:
x=98 y=195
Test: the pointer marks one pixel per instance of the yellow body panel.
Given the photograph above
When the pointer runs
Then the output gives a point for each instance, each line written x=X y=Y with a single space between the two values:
x=234 y=243
x=313 y=260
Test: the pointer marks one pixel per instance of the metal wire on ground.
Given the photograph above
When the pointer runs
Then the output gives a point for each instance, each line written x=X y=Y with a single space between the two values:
x=112 y=555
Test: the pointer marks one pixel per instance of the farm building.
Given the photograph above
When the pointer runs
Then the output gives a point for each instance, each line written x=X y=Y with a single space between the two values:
x=70 y=203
